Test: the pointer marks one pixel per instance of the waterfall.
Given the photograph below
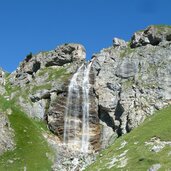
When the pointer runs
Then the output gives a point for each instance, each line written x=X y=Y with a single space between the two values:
x=85 y=106
x=76 y=120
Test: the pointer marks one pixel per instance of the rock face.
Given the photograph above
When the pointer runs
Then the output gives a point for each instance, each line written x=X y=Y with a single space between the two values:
x=42 y=76
x=152 y=35
x=63 y=54
x=6 y=134
x=132 y=81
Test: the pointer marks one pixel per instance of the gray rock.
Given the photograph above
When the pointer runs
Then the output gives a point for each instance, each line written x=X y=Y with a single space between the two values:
x=155 y=167
x=152 y=35
x=66 y=53
x=62 y=55
x=132 y=82
x=41 y=94
x=127 y=68
x=119 y=43
x=6 y=134
x=70 y=160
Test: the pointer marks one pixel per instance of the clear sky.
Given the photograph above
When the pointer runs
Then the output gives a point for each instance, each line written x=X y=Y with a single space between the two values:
x=35 y=25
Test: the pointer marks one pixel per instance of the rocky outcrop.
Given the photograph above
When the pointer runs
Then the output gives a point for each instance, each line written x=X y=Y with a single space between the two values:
x=63 y=54
x=6 y=134
x=39 y=77
x=133 y=80
x=153 y=35
x=2 y=82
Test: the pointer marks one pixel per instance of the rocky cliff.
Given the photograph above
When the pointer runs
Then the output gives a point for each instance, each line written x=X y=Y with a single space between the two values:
x=128 y=82
x=133 y=79
x=6 y=132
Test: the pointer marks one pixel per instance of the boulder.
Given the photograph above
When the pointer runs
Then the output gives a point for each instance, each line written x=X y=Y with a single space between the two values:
x=152 y=35
x=119 y=42
x=66 y=53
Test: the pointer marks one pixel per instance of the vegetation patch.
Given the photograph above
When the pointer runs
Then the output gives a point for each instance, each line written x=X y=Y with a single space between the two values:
x=41 y=87
x=55 y=73
x=162 y=28
x=138 y=156
x=127 y=51
x=31 y=151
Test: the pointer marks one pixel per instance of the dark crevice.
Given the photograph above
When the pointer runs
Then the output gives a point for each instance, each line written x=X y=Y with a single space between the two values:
x=127 y=125
x=168 y=37
x=98 y=71
x=105 y=117
x=154 y=40
x=118 y=113
x=36 y=66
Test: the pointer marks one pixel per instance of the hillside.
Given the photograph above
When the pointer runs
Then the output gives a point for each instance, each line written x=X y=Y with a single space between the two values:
x=31 y=151
x=147 y=147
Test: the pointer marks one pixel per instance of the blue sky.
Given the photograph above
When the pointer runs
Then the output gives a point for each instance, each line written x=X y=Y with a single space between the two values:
x=35 y=25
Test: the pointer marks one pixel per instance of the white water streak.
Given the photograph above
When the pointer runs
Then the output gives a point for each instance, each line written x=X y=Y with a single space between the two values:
x=71 y=123
x=73 y=91
x=85 y=106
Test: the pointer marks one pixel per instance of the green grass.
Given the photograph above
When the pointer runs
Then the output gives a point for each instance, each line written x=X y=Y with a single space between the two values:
x=31 y=148
x=41 y=87
x=55 y=73
x=162 y=28
x=127 y=84
x=139 y=156
x=10 y=88
x=127 y=51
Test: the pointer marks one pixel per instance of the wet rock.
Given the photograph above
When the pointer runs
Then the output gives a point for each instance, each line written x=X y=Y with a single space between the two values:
x=61 y=104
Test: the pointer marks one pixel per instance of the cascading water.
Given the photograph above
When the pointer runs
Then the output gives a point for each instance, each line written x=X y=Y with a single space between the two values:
x=76 y=120
x=85 y=106
x=71 y=112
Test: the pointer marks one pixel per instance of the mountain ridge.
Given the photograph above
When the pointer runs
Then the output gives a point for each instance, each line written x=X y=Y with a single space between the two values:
x=129 y=81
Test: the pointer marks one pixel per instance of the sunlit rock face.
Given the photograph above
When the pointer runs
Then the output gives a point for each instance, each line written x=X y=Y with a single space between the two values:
x=64 y=54
x=43 y=75
x=132 y=80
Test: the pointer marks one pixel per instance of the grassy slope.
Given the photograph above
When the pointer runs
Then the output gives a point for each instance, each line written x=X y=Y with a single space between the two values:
x=139 y=156
x=31 y=148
